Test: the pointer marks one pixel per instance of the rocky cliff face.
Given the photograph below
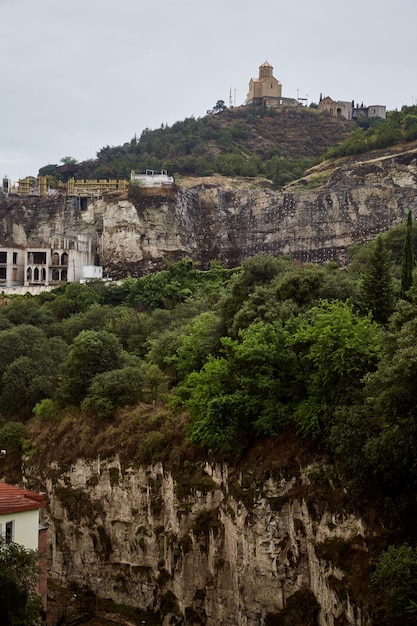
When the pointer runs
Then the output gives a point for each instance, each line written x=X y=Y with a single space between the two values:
x=356 y=200
x=210 y=546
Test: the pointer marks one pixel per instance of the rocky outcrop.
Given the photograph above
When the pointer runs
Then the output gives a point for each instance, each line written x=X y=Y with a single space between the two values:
x=356 y=200
x=206 y=546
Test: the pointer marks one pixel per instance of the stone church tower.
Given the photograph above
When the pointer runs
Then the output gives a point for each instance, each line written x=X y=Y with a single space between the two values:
x=266 y=89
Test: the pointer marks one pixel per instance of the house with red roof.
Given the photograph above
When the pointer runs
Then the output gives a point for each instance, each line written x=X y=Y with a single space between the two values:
x=19 y=522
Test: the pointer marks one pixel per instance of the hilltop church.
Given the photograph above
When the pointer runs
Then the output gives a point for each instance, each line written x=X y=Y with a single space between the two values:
x=266 y=90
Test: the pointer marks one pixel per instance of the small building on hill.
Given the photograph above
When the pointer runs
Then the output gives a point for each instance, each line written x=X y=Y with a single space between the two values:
x=336 y=108
x=151 y=178
x=375 y=110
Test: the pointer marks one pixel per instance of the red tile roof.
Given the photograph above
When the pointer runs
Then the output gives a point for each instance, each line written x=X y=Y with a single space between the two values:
x=15 y=499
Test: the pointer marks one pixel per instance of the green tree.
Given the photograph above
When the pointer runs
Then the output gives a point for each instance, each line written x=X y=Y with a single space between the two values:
x=12 y=435
x=19 y=572
x=113 y=389
x=26 y=311
x=68 y=160
x=219 y=106
x=31 y=368
x=254 y=272
x=93 y=352
x=377 y=287
x=23 y=385
x=407 y=263
x=336 y=348
x=155 y=382
x=202 y=337
x=395 y=581
x=22 y=340
x=383 y=455
x=95 y=317
x=250 y=391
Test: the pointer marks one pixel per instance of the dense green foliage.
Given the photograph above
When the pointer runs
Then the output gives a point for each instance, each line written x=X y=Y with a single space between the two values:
x=19 y=571
x=278 y=144
x=236 y=356
x=395 y=579
x=246 y=141
x=399 y=126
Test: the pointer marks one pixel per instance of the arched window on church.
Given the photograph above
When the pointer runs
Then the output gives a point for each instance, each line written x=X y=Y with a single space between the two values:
x=55 y=258
x=29 y=273
x=36 y=275
x=64 y=258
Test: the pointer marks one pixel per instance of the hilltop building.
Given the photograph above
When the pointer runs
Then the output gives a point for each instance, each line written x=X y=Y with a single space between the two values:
x=336 y=108
x=376 y=110
x=348 y=110
x=152 y=179
x=266 y=90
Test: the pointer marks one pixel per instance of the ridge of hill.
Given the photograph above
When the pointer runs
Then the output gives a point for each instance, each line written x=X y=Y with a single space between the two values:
x=243 y=141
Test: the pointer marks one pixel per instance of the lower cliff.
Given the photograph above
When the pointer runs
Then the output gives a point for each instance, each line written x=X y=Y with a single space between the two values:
x=209 y=544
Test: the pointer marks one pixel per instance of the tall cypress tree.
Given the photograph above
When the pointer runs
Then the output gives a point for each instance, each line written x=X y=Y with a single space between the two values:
x=377 y=286
x=407 y=263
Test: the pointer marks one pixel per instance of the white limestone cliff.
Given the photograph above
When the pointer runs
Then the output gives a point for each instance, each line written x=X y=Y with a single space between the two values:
x=229 y=554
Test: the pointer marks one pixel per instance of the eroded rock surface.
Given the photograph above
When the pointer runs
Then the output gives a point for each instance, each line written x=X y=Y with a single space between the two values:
x=231 y=552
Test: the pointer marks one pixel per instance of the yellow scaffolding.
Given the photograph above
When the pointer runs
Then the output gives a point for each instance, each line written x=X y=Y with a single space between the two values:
x=91 y=187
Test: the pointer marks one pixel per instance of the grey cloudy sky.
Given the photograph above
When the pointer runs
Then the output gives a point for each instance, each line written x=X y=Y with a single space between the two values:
x=78 y=75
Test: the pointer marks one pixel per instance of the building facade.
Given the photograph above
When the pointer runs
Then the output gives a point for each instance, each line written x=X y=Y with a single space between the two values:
x=11 y=267
x=266 y=90
x=152 y=179
x=376 y=110
x=60 y=262
x=336 y=108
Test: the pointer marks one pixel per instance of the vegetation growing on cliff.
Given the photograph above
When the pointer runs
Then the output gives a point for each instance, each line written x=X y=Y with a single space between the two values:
x=229 y=358
x=19 y=572
x=398 y=127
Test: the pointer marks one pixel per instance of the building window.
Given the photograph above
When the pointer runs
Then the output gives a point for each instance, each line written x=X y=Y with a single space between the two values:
x=3 y=257
x=37 y=257
x=14 y=258
x=9 y=531
x=2 y=273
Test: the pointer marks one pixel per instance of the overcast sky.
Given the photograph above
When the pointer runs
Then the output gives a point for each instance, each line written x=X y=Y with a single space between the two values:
x=78 y=75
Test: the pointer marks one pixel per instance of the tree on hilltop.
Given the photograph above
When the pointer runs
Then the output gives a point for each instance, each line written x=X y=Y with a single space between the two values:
x=219 y=106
